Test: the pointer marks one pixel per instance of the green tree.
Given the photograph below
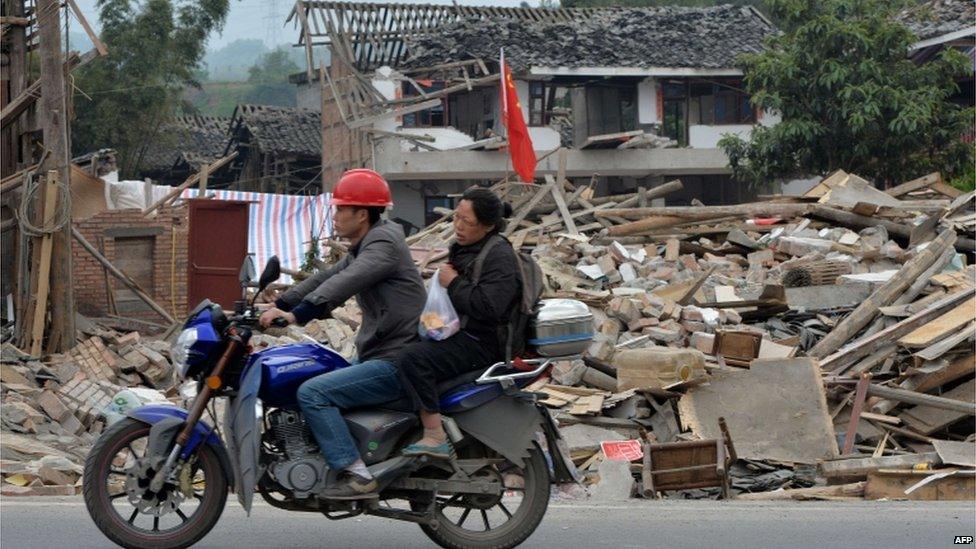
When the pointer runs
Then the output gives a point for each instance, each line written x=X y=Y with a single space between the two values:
x=654 y=3
x=850 y=98
x=155 y=47
x=269 y=80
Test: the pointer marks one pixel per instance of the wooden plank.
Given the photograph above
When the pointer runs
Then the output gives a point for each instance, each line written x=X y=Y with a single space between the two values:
x=915 y=184
x=187 y=184
x=587 y=405
x=857 y=406
x=526 y=208
x=936 y=350
x=860 y=467
x=854 y=490
x=941 y=327
x=706 y=212
x=889 y=484
x=927 y=419
x=44 y=271
x=557 y=194
x=868 y=344
x=784 y=418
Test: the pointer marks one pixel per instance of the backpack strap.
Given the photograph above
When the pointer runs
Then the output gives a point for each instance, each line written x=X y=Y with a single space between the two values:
x=479 y=263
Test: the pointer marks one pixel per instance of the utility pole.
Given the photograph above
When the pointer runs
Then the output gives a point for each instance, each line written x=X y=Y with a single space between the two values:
x=53 y=114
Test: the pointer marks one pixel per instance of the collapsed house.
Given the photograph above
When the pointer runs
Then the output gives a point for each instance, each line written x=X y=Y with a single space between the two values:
x=412 y=91
x=182 y=146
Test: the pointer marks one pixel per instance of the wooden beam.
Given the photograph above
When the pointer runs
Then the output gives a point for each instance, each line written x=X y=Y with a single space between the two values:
x=857 y=407
x=868 y=344
x=188 y=183
x=705 y=212
x=921 y=399
x=54 y=121
x=92 y=35
x=915 y=184
x=44 y=272
x=114 y=271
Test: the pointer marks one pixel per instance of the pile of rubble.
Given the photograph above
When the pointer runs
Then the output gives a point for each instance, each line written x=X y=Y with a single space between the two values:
x=807 y=347
x=833 y=333
x=53 y=410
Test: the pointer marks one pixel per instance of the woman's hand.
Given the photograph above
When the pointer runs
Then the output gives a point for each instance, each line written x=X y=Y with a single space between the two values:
x=447 y=274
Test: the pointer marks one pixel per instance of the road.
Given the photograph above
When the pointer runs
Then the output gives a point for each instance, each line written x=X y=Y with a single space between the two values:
x=40 y=523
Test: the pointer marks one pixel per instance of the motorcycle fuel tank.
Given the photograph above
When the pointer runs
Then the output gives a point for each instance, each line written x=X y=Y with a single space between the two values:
x=285 y=368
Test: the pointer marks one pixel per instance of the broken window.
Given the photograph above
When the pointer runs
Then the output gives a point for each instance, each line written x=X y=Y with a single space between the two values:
x=719 y=102
x=435 y=117
x=611 y=108
x=537 y=104
x=674 y=124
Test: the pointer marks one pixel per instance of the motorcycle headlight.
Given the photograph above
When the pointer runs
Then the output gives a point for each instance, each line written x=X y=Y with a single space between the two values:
x=181 y=351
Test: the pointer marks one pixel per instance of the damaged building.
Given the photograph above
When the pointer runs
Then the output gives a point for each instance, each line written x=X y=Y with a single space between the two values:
x=412 y=91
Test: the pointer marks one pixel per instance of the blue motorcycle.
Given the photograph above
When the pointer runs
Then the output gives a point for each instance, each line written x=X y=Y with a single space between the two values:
x=160 y=477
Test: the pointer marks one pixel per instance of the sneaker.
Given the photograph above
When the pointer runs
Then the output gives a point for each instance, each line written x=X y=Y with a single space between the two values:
x=351 y=486
x=440 y=451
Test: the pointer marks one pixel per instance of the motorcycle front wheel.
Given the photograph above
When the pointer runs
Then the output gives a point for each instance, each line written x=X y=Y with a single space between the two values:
x=117 y=494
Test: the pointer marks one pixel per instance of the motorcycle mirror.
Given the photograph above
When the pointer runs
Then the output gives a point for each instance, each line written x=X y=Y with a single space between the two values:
x=271 y=272
x=247 y=273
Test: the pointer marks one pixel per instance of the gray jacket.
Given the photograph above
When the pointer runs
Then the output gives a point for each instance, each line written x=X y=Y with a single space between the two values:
x=381 y=274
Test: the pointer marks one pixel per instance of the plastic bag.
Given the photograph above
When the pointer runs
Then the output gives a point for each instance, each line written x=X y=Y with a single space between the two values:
x=439 y=320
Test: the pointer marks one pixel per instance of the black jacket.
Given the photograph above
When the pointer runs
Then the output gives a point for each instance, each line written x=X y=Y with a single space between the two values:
x=487 y=304
x=381 y=274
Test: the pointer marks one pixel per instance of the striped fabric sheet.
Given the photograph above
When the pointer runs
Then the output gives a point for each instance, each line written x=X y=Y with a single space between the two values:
x=279 y=224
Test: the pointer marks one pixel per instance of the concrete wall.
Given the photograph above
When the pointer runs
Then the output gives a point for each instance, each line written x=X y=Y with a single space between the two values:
x=309 y=96
x=169 y=260
x=707 y=137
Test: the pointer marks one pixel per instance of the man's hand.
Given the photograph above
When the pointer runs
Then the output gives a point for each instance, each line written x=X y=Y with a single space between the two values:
x=447 y=274
x=268 y=317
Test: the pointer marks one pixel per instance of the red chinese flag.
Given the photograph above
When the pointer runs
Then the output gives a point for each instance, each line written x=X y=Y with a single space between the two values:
x=519 y=142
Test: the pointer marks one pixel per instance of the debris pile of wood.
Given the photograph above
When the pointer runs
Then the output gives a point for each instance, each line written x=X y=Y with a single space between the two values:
x=833 y=332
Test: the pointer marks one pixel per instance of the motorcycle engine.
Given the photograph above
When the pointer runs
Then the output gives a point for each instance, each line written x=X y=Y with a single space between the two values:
x=303 y=469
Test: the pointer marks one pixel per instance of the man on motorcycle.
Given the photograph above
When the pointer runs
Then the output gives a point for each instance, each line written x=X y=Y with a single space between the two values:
x=381 y=274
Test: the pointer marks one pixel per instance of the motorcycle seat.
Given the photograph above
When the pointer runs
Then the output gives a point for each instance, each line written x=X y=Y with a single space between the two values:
x=443 y=387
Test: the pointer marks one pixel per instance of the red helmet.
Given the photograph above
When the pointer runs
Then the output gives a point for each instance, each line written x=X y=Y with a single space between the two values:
x=361 y=187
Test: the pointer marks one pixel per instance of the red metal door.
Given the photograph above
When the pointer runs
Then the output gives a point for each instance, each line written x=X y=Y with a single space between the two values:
x=217 y=247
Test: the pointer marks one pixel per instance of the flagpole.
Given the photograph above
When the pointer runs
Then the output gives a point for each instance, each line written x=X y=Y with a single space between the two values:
x=504 y=113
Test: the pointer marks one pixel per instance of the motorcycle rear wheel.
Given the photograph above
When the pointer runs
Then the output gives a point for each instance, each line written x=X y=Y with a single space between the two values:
x=116 y=471
x=466 y=522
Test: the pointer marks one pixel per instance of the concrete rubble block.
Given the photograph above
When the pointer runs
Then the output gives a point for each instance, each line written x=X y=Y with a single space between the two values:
x=663 y=335
x=616 y=482
x=655 y=367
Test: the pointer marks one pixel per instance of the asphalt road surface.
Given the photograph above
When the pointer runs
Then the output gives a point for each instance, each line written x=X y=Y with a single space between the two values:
x=62 y=523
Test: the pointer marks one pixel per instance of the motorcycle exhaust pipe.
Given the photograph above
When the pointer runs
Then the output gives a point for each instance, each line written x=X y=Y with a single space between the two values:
x=452 y=429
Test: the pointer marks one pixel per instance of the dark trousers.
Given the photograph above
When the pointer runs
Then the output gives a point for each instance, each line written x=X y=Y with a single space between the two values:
x=424 y=364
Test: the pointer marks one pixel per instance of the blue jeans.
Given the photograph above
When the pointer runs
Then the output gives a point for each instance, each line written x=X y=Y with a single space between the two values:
x=322 y=397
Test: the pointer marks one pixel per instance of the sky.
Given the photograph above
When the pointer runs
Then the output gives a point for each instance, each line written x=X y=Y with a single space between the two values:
x=265 y=19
